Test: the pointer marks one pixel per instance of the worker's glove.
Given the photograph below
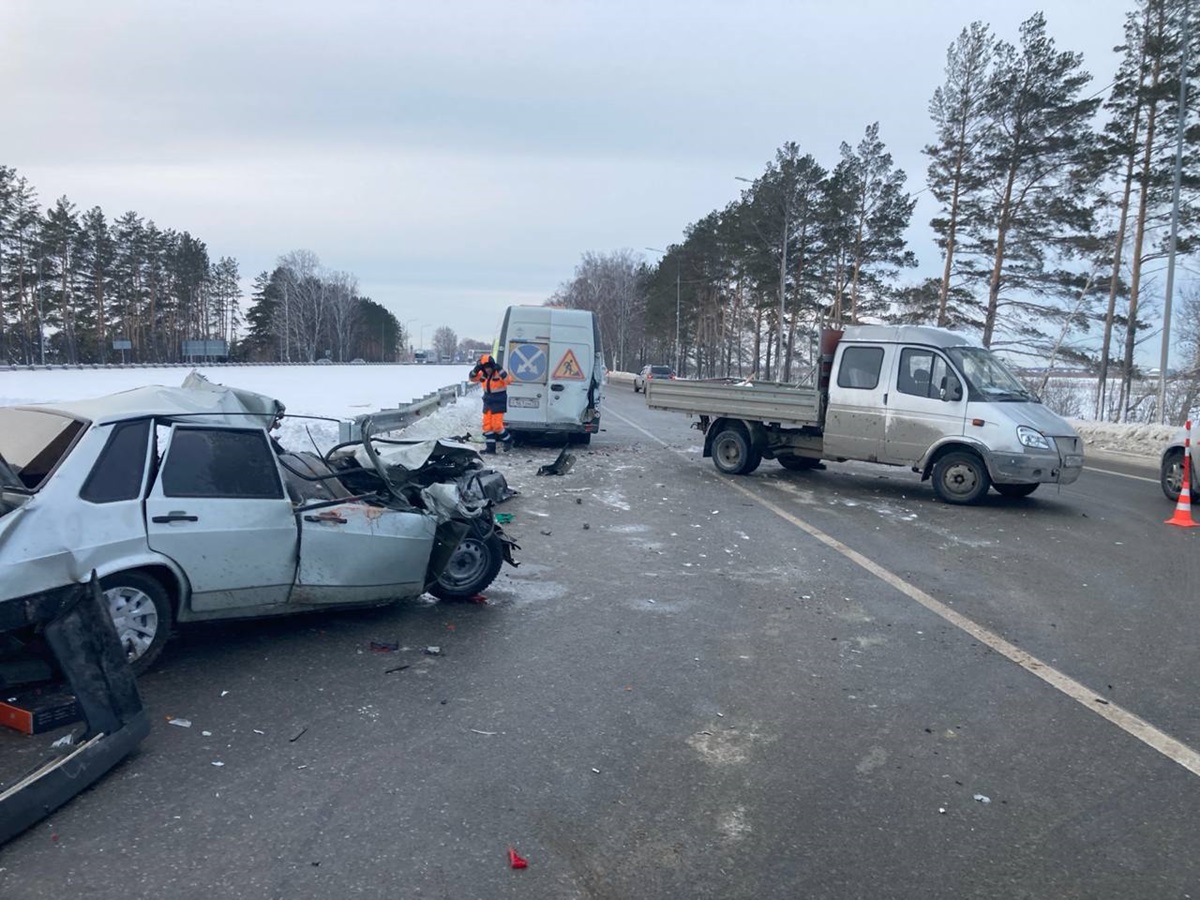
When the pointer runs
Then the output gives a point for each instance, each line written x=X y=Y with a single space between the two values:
x=475 y=371
x=503 y=374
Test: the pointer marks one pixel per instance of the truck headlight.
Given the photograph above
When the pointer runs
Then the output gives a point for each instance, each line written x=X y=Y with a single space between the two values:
x=1031 y=437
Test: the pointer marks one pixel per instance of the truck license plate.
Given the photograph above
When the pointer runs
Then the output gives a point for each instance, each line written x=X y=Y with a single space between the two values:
x=523 y=402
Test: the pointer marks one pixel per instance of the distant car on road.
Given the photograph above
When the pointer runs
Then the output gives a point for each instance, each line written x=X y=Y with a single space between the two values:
x=324 y=361
x=358 y=361
x=649 y=372
x=1171 y=470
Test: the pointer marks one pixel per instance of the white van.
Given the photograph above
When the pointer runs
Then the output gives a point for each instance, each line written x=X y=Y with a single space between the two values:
x=557 y=365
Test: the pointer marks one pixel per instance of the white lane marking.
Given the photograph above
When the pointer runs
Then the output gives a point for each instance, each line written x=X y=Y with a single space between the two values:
x=1131 y=724
x=1121 y=474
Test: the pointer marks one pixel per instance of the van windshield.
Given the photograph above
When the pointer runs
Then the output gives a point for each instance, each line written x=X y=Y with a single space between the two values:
x=988 y=376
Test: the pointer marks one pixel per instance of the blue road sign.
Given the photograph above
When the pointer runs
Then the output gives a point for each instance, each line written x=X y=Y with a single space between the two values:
x=528 y=362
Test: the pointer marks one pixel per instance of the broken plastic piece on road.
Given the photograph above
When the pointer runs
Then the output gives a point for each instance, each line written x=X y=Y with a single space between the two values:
x=218 y=764
x=182 y=723
x=982 y=798
x=594 y=769
x=481 y=599
x=504 y=518
x=488 y=733
x=546 y=531
x=516 y=860
x=433 y=651
x=296 y=736
x=65 y=741
x=395 y=669
x=385 y=646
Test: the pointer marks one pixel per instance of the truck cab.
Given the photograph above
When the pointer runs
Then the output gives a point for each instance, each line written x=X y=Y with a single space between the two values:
x=929 y=399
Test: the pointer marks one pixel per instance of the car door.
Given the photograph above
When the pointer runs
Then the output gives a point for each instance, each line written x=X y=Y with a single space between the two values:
x=571 y=360
x=918 y=415
x=218 y=508
x=857 y=415
x=354 y=553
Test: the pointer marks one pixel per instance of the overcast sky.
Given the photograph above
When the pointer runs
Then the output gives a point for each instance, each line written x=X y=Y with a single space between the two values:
x=460 y=156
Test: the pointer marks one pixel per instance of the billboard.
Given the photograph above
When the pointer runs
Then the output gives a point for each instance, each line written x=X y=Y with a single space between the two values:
x=208 y=349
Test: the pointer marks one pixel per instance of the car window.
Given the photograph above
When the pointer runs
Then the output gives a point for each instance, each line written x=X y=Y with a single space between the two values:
x=922 y=373
x=215 y=462
x=660 y=370
x=860 y=367
x=33 y=442
x=117 y=474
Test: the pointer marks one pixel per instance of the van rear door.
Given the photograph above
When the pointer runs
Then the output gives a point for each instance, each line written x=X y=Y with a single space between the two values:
x=571 y=363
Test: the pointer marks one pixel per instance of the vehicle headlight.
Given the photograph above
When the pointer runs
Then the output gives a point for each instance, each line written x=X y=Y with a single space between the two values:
x=1031 y=437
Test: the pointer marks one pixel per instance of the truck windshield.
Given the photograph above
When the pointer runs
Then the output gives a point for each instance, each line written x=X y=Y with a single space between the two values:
x=32 y=443
x=988 y=376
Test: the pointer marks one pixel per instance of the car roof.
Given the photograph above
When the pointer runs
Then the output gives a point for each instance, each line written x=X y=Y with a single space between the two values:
x=197 y=396
x=909 y=334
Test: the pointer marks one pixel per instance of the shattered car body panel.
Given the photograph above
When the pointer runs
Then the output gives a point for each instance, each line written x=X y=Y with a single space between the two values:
x=187 y=509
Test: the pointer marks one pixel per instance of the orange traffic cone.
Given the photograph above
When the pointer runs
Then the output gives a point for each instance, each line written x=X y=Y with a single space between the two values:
x=1183 y=508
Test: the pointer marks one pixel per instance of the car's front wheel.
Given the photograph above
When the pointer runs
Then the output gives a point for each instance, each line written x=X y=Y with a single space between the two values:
x=473 y=565
x=141 y=612
x=1171 y=476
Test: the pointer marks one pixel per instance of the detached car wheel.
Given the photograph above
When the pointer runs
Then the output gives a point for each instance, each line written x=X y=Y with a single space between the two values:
x=960 y=478
x=141 y=612
x=473 y=565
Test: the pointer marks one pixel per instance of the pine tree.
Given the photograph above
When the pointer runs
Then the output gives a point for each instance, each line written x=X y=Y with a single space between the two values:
x=958 y=110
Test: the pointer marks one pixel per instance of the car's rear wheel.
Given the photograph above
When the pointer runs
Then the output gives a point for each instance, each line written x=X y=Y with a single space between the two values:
x=473 y=565
x=636 y=389
x=141 y=612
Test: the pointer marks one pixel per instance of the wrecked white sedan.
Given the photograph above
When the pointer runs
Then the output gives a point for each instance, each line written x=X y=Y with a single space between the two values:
x=187 y=509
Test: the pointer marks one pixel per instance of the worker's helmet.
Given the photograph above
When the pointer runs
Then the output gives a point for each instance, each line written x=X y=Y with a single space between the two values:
x=485 y=359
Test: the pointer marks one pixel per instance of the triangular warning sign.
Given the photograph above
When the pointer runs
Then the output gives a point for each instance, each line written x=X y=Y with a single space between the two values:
x=568 y=367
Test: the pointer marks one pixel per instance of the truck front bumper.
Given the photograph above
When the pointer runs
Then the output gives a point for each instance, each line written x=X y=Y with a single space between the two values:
x=1035 y=467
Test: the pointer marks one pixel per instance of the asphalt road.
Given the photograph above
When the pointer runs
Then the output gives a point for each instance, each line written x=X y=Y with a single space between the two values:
x=820 y=684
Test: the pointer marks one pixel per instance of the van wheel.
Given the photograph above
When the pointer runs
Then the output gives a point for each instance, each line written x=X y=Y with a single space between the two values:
x=141 y=612
x=733 y=454
x=961 y=478
x=1015 y=490
x=636 y=389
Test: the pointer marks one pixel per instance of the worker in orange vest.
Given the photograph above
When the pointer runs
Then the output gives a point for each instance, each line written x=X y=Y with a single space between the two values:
x=495 y=383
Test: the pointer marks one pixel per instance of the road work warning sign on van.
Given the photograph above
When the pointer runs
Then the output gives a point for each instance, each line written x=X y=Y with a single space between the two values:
x=568 y=367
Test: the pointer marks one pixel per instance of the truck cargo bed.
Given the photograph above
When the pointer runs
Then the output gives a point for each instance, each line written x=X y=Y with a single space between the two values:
x=787 y=405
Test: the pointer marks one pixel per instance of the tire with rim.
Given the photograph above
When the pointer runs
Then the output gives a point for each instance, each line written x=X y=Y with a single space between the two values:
x=733 y=454
x=1015 y=490
x=141 y=612
x=473 y=565
x=960 y=477
x=636 y=389
x=798 y=463
x=1171 y=476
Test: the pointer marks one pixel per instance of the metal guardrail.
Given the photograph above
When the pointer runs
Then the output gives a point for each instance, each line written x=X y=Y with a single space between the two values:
x=387 y=420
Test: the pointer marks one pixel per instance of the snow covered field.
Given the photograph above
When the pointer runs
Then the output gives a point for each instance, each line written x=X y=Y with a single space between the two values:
x=339 y=392
x=343 y=392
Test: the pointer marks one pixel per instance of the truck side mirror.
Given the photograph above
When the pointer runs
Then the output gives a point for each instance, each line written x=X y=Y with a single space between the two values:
x=951 y=389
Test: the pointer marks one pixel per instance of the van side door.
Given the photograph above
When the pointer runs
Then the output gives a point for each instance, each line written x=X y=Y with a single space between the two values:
x=856 y=417
x=926 y=404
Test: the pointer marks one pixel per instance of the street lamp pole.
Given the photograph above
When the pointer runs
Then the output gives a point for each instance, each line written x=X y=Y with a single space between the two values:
x=41 y=333
x=677 y=345
x=408 y=333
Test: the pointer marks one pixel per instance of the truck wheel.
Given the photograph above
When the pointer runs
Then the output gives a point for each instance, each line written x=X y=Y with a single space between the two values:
x=473 y=565
x=960 y=477
x=141 y=612
x=733 y=454
x=1015 y=490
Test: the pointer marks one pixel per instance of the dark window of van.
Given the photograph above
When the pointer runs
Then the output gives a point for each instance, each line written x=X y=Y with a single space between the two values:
x=860 y=368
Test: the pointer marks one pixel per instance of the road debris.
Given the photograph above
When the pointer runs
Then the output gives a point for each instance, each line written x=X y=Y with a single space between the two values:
x=217 y=763
x=182 y=723
x=560 y=466
x=295 y=737
x=385 y=646
x=433 y=651
x=396 y=669
x=982 y=798
x=516 y=860
x=488 y=733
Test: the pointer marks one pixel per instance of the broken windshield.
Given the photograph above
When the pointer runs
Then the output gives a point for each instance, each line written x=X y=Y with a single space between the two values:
x=988 y=376
x=32 y=444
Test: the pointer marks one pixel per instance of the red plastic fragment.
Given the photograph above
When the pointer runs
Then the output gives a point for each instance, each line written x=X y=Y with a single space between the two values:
x=480 y=599
x=517 y=861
